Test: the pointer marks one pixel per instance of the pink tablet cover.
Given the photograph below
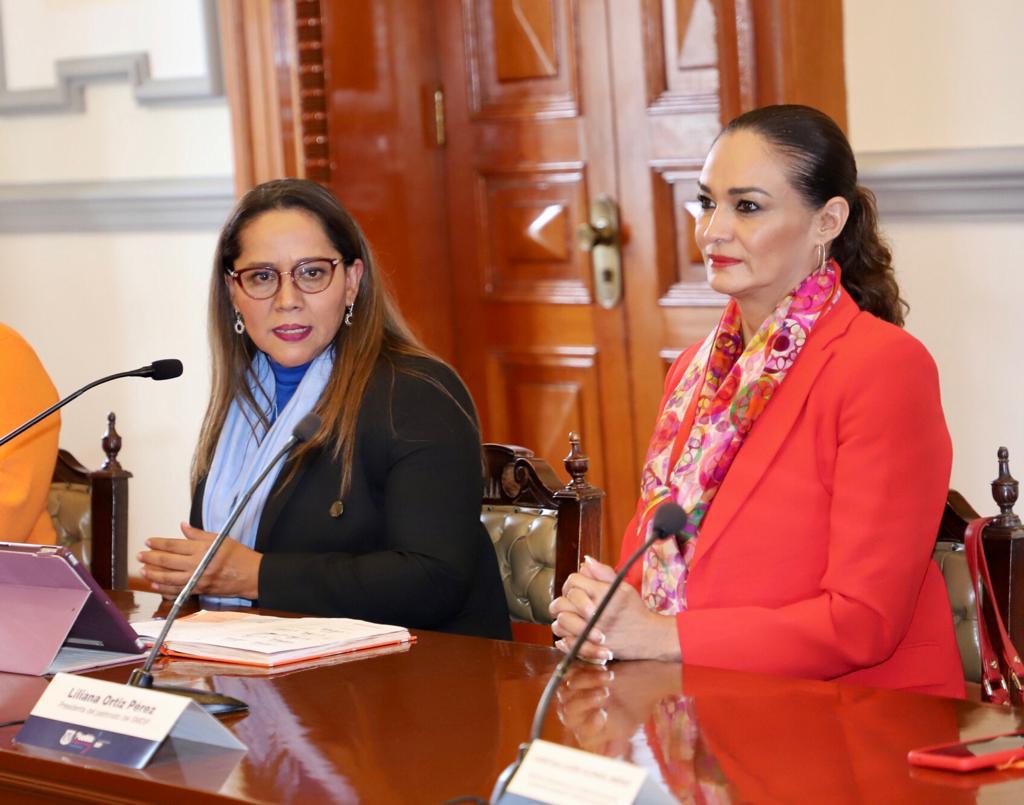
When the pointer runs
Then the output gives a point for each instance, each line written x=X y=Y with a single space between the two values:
x=34 y=621
x=45 y=594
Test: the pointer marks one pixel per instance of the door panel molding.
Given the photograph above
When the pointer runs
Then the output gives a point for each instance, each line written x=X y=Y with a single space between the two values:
x=520 y=59
x=527 y=219
x=539 y=396
x=682 y=56
x=681 y=275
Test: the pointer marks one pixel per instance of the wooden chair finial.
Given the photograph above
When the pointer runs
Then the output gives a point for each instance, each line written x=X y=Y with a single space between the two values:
x=111 y=444
x=1005 y=490
x=576 y=463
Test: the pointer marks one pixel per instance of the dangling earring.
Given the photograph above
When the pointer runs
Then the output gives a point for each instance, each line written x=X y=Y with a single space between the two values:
x=348 y=315
x=821 y=256
x=239 y=322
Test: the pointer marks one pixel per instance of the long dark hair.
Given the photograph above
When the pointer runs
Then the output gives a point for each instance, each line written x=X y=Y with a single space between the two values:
x=821 y=166
x=378 y=329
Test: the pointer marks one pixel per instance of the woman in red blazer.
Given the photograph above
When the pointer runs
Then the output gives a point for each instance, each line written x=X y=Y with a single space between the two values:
x=804 y=438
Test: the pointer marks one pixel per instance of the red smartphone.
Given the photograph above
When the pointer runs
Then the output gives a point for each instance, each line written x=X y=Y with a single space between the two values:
x=981 y=753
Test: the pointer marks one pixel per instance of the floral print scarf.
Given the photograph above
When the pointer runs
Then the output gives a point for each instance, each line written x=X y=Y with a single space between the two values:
x=688 y=768
x=733 y=384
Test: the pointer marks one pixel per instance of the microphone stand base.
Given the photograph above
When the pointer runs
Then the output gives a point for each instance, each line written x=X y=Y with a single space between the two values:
x=498 y=794
x=216 y=704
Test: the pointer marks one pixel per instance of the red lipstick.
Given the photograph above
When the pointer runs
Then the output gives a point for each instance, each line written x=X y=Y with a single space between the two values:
x=292 y=332
x=721 y=261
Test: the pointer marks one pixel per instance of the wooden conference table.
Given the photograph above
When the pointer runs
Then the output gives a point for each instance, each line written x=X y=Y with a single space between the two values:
x=443 y=717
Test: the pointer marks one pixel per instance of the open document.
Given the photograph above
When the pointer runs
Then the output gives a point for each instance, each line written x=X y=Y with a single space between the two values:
x=263 y=640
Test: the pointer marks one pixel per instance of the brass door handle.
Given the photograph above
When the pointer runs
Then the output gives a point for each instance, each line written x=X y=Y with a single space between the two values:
x=600 y=237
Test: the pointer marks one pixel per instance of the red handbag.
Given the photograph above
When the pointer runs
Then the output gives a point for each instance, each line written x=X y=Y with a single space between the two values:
x=1001 y=666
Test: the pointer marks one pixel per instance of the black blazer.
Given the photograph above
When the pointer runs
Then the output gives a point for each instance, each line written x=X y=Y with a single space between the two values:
x=409 y=548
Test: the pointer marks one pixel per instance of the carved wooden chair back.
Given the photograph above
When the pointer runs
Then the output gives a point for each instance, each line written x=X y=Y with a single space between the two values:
x=89 y=509
x=1003 y=541
x=540 y=528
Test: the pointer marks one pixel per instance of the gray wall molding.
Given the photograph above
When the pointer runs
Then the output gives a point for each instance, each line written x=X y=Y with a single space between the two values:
x=966 y=182
x=74 y=74
x=973 y=183
x=130 y=205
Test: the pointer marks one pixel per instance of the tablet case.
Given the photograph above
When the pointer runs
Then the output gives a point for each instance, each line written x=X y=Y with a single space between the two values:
x=48 y=599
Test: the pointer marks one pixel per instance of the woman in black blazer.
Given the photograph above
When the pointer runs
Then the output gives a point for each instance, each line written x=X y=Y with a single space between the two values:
x=378 y=515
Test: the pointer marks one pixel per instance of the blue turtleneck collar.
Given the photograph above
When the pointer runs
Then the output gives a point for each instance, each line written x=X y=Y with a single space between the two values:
x=287 y=379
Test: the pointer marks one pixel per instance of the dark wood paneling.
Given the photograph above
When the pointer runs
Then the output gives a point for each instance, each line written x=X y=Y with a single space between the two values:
x=525 y=43
x=799 y=54
x=386 y=163
x=682 y=279
x=540 y=397
x=311 y=88
x=548 y=103
x=669 y=84
x=529 y=145
x=521 y=58
x=681 y=56
x=528 y=224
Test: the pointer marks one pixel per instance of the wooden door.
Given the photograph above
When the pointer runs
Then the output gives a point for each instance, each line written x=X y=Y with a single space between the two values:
x=551 y=103
x=530 y=141
x=474 y=202
x=341 y=92
x=682 y=69
x=386 y=159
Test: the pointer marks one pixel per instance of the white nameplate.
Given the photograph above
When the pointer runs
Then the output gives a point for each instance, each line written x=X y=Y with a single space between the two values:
x=560 y=775
x=118 y=723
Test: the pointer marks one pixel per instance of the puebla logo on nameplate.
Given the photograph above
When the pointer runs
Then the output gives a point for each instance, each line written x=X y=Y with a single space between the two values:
x=117 y=723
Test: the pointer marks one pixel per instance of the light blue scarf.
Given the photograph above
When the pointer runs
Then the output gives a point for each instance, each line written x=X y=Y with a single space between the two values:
x=245 y=447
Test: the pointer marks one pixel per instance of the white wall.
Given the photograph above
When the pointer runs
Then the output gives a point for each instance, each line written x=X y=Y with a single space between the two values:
x=116 y=138
x=933 y=73
x=97 y=302
x=944 y=74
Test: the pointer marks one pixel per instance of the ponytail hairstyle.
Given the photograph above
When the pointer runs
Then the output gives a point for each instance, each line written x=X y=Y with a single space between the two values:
x=821 y=167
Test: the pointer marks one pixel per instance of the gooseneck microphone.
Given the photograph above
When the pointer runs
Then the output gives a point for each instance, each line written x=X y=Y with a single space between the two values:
x=158 y=370
x=669 y=521
x=216 y=703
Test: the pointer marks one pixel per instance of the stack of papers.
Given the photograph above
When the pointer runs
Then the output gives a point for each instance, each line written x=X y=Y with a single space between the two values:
x=266 y=641
x=191 y=671
x=73 y=660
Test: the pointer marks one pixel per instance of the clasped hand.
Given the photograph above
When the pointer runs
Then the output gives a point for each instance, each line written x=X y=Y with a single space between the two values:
x=603 y=708
x=169 y=563
x=627 y=630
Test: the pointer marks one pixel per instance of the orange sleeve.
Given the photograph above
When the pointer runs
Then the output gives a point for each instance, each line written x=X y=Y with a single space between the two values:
x=27 y=462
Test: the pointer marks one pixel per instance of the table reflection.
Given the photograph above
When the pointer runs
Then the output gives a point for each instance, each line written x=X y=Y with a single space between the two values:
x=638 y=712
x=441 y=718
x=718 y=736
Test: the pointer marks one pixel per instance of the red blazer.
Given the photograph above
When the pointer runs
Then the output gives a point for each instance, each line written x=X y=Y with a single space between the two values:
x=840 y=744
x=814 y=560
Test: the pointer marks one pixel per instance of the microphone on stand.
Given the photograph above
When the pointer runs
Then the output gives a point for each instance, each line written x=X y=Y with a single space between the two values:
x=158 y=370
x=669 y=521
x=216 y=703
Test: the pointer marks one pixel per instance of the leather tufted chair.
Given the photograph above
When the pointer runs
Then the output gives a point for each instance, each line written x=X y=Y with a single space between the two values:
x=540 y=529
x=949 y=556
x=89 y=509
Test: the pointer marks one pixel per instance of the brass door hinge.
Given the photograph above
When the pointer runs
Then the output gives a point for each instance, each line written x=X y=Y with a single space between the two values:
x=439 y=130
